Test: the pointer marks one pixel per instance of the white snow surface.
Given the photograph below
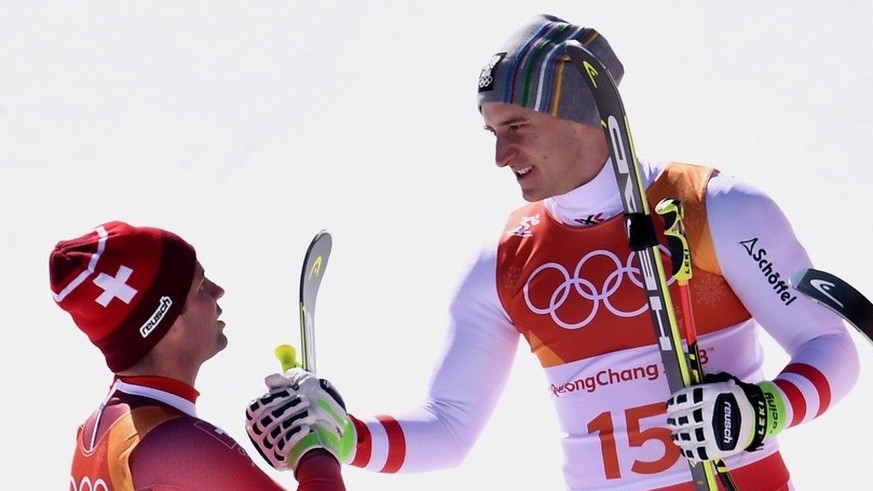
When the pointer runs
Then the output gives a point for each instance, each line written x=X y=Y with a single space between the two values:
x=246 y=127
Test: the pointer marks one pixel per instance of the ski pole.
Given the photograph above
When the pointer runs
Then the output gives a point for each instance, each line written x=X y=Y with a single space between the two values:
x=680 y=251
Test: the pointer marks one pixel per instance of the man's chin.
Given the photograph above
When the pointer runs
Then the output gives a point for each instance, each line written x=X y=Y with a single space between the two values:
x=221 y=344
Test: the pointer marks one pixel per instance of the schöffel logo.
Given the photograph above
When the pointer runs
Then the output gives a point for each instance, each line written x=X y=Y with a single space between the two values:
x=486 y=76
x=759 y=255
x=150 y=325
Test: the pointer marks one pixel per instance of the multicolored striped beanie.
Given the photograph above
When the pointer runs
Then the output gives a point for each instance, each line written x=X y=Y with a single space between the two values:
x=532 y=70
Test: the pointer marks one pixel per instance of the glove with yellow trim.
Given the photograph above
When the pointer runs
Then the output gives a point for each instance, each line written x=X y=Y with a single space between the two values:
x=724 y=416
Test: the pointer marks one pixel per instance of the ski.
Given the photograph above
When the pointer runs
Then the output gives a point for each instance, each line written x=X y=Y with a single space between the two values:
x=837 y=295
x=642 y=237
x=314 y=265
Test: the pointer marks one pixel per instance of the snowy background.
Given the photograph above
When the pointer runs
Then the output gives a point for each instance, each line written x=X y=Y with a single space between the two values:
x=246 y=127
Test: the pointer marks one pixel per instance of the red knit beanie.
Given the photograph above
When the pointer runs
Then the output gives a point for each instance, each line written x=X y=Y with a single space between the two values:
x=123 y=286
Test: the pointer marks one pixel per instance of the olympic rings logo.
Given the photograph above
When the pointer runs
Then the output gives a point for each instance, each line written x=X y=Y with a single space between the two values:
x=597 y=294
x=86 y=485
x=486 y=76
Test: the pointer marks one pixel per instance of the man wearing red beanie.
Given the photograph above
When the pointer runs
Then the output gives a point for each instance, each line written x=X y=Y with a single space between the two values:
x=142 y=297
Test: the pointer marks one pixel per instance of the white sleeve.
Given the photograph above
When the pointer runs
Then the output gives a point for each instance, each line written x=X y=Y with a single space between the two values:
x=758 y=251
x=465 y=386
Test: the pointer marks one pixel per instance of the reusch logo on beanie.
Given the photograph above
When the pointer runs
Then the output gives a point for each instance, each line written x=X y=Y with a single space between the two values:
x=124 y=286
x=532 y=70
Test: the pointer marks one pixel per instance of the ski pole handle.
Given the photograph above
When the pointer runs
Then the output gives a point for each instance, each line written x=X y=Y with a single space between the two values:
x=287 y=356
x=671 y=211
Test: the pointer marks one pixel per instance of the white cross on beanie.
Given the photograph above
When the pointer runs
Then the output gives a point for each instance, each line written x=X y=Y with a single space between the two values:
x=124 y=286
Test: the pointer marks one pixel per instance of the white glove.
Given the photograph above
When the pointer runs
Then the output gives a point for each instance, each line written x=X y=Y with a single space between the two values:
x=299 y=412
x=724 y=416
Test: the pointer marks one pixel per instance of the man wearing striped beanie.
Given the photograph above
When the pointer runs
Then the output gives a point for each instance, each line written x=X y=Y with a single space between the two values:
x=532 y=70
x=563 y=278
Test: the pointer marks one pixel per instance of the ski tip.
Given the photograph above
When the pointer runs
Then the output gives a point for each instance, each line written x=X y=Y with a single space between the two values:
x=797 y=277
x=287 y=356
